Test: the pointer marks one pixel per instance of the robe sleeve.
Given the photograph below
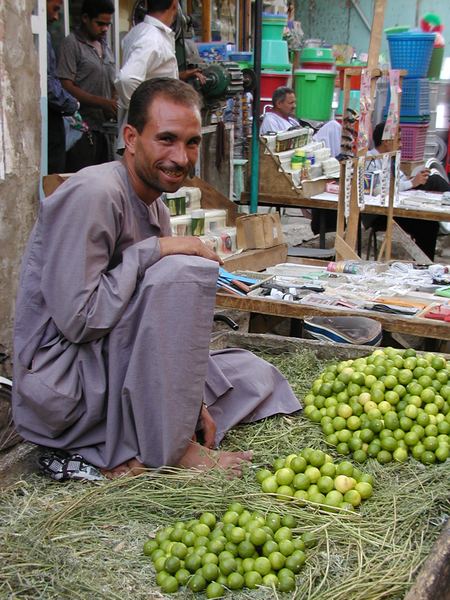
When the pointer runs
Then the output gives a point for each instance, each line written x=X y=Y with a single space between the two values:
x=81 y=227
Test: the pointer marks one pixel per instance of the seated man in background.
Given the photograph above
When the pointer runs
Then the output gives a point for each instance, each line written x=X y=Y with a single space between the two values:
x=114 y=316
x=281 y=117
x=423 y=232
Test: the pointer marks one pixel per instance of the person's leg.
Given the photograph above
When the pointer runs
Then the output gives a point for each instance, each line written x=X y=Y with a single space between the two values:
x=435 y=183
x=56 y=143
x=424 y=233
x=157 y=359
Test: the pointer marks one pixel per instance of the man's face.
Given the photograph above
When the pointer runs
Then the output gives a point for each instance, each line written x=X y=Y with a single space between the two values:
x=167 y=149
x=97 y=28
x=287 y=106
x=53 y=10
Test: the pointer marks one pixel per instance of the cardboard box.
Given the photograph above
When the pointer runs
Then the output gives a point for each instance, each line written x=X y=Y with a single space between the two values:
x=259 y=231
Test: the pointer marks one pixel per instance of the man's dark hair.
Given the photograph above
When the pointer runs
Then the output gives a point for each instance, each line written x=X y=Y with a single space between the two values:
x=154 y=6
x=280 y=94
x=144 y=95
x=377 y=135
x=93 y=8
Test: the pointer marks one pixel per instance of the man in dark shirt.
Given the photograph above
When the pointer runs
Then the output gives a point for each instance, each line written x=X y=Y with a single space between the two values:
x=86 y=69
x=60 y=102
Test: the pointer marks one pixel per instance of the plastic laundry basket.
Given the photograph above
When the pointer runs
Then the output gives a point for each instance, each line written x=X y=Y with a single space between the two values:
x=413 y=140
x=411 y=51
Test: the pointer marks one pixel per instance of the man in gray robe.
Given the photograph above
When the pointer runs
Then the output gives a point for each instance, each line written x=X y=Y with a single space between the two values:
x=114 y=316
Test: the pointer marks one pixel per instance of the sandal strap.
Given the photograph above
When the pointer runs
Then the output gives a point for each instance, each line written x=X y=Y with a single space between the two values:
x=61 y=468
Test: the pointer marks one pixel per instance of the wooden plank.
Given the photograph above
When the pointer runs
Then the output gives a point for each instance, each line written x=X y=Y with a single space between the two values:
x=395 y=323
x=257 y=260
x=343 y=250
x=51 y=182
x=376 y=33
x=206 y=21
x=408 y=244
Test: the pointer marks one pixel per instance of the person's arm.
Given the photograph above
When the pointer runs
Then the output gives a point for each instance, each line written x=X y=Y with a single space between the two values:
x=58 y=98
x=134 y=71
x=82 y=222
x=67 y=73
x=108 y=105
x=420 y=178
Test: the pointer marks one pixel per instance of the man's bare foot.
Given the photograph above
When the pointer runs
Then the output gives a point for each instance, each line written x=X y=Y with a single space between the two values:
x=199 y=457
x=130 y=468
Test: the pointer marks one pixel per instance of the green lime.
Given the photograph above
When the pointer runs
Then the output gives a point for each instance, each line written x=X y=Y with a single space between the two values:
x=252 y=579
x=197 y=583
x=215 y=590
x=169 y=585
x=150 y=546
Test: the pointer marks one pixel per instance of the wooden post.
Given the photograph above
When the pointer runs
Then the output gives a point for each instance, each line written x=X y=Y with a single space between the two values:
x=376 y=33
x=206 y=21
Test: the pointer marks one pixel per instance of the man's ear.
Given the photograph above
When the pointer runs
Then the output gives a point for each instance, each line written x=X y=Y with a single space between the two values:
x=129 y=137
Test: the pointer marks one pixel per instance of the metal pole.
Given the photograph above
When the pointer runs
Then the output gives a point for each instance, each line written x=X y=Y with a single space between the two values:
x=254 y=177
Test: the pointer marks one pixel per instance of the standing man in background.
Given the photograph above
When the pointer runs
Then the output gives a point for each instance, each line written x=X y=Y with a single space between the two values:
x=148 y=52
x=60 y=102
x=86 y=69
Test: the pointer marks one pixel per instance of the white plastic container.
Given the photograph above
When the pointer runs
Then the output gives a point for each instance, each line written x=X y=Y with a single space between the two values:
x=215 y=219
x=180 y=225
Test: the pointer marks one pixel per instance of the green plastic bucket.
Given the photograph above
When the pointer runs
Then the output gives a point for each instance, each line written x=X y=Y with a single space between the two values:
x=275 y=55
x=273 y=26
x=314 y=94
x=437 y=57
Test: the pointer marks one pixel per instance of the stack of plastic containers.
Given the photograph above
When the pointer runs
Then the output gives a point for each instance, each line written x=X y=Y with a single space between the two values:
x=314 y=83
x=412 y=51
x=275 y=66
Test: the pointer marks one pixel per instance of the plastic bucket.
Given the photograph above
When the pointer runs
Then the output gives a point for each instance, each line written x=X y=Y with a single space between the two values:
x=275 y=55
x=355 y=80
x=273 y=26
x=314 y=94
x=437 y=58
x=313 y=65
x=270 y=81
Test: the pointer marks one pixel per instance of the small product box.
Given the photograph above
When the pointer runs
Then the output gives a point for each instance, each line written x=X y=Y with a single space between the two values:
x=259 y=231
x=180 y=225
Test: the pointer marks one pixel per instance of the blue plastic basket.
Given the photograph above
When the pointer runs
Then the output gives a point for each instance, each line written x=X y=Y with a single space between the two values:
x=415 y=98
x=411 y=51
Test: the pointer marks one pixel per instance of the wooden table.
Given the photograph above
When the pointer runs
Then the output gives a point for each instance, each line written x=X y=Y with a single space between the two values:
x=427 y=328
x=318 y=202
x=258 y=260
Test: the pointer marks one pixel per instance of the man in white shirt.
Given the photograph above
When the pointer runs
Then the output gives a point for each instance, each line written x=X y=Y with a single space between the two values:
x=423 y=232
x=281 y=117
x=148 y=52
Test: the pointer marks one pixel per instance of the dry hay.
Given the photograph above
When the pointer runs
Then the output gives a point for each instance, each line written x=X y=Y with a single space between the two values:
x=83 y=541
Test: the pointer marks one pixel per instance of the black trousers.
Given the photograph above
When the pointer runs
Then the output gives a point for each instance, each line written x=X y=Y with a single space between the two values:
x=91 y=149
x=56 y=143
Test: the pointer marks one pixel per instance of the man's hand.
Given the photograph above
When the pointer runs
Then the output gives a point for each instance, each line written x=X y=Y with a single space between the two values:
x=187 y=245
x=421 y=178
x=110 y=108
x=194 y=73
x=208 y=427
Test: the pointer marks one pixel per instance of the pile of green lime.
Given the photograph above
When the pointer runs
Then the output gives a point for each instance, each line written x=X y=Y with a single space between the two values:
x=313 y=476
x=387 y=406
x=243 y=549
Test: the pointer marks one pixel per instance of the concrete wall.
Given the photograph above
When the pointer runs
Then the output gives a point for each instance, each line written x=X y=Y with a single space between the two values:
x=20 y=129
x=338 y=22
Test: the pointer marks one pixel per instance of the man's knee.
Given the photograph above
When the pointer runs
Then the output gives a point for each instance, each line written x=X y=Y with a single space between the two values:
x=182 y=268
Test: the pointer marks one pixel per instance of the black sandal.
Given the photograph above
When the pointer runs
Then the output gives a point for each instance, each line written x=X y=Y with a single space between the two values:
x=60 y=467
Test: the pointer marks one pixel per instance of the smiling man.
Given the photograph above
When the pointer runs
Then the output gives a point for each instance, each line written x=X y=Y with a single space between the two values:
x=114 y=316
x=86 y=70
